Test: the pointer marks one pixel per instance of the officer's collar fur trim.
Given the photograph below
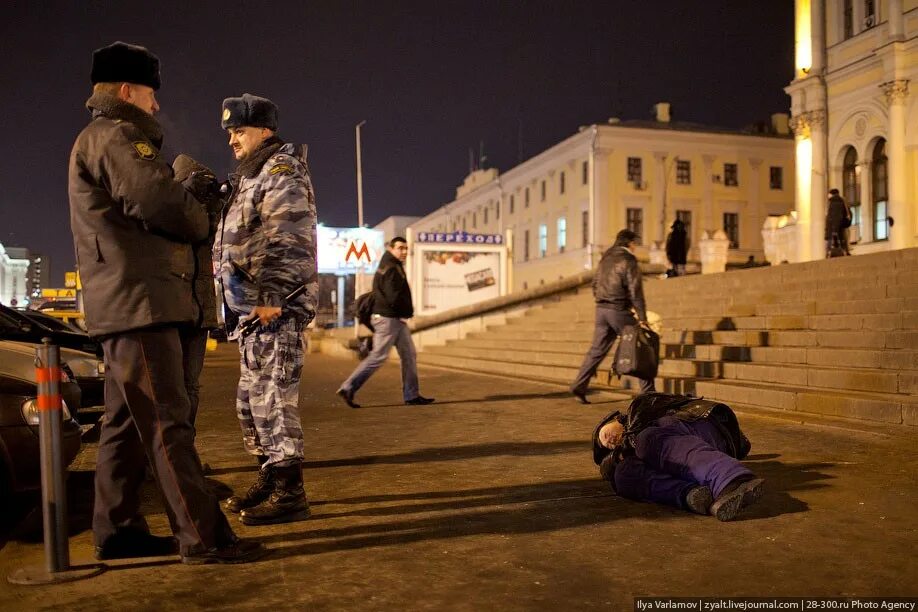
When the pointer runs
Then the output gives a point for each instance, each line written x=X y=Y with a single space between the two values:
x=115 y=108
x=251 y=166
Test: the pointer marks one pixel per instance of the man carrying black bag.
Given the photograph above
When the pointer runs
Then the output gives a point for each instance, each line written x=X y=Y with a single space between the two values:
x=617 y=288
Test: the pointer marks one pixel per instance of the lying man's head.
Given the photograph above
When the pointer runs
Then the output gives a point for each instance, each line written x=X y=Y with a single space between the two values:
x=610 y=434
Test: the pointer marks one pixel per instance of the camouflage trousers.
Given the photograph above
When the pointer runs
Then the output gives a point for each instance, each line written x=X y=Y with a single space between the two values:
x=271 y=361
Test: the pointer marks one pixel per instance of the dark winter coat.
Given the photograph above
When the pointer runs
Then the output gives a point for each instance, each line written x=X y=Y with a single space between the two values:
x=132 y=223
x=617 y=283
x=677 y=245
x=392 y=295
x=646 y=409
x=836 y=217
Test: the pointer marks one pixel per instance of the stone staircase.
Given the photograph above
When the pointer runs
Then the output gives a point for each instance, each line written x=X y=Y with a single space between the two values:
x=837 y=338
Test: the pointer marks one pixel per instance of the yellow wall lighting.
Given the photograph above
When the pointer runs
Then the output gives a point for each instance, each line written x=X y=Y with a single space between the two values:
x=804 y=43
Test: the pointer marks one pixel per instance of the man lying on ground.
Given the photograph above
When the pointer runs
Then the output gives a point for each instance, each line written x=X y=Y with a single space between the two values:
x=678 y=451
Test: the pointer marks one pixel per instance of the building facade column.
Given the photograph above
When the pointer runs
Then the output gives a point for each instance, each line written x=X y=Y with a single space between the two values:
x=707 y=195
x=658 y=196
x=754 y=203
x=812 y=189
x=902 y=233
x=604 y=209
x=896 y=20
x=864 y=172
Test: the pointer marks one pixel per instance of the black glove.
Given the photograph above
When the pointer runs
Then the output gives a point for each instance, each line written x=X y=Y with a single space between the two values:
x=200 y=181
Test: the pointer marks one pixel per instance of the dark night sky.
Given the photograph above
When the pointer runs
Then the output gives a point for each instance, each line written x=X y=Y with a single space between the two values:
x=431 y=78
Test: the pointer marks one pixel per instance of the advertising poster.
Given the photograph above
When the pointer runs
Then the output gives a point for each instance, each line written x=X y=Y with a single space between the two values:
x=458 y=278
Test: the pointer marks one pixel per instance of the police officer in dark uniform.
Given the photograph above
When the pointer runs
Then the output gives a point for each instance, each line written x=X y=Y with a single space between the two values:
x=133 y=227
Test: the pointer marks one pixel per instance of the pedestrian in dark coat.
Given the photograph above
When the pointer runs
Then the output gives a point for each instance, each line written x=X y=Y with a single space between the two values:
x=194 y=336
x=392 y=307
x=618 y=289
x=678 y=451
x=677 y=245
x=838 y=220
x=133 y=227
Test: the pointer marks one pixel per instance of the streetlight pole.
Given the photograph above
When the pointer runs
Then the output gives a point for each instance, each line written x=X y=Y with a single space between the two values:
x=358 y=278
x=359 y=178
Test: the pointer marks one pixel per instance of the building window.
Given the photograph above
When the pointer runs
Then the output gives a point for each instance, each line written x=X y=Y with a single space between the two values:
x=543 y=191
x=635 y=170
x=526 y=245
x=686 y=217
x=486 y=217
x=776 y=177
x=585 y=227
x=561 y=184
x=856 y=217
x=463 y=224
x=731 y=229
x=562 y=234
x=585 y=172
x=634 y=221
x=683 y=172
x=851 y=180
x=497 y=210
x=474 y=220
x=880 y=192
x=543 y=240
x=512 y=202
x=731 y=175
x=527 y=198
x=848 y=12
x=870 y=14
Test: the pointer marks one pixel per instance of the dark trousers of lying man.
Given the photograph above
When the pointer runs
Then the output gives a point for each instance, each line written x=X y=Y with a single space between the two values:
x=677 y=451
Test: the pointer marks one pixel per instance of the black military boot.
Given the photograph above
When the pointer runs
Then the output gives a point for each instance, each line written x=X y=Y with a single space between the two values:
x=287 y=504
x=257 y=493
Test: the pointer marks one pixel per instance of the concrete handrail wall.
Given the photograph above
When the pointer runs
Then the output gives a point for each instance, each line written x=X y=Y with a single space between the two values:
x=504 y=302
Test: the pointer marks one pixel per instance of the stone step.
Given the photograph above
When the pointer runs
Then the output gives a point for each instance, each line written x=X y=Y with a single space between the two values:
x=881 y=407
x=566 y=359
x=551 y=373
x=841 y=379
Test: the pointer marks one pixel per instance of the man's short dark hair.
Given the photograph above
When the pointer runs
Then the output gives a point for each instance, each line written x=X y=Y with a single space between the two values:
x=396 y=240
x=625 y=237
x=833 y=192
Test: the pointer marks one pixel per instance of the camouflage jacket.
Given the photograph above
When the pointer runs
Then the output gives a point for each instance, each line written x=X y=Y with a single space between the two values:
x=265 y=246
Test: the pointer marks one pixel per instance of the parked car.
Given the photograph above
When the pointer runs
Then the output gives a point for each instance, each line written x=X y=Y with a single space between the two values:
x=19 y=439
x=16 y=325
x=52 y=323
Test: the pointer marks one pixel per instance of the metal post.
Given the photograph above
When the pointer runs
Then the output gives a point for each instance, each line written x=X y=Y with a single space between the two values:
x=53 y=493
x=340 y=308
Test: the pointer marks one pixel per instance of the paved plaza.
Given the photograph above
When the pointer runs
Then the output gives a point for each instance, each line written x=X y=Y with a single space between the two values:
x=489 y=500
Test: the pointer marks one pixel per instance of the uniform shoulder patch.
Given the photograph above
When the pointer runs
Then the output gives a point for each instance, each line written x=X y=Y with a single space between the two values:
x=144 y=150
x=281 y=169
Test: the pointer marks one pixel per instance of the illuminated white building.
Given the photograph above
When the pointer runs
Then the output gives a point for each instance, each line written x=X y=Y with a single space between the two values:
x=565 y=205
x=855 y=124
x=14 y=285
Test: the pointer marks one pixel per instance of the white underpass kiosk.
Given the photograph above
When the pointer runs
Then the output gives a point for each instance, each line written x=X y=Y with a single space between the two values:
x=449 y=270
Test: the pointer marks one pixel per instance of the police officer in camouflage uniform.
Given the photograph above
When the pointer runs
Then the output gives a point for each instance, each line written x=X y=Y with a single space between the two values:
x=265 y=249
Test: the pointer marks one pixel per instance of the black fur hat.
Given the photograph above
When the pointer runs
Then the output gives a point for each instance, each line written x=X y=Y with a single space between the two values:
x=249 y=110
x=122 y=62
